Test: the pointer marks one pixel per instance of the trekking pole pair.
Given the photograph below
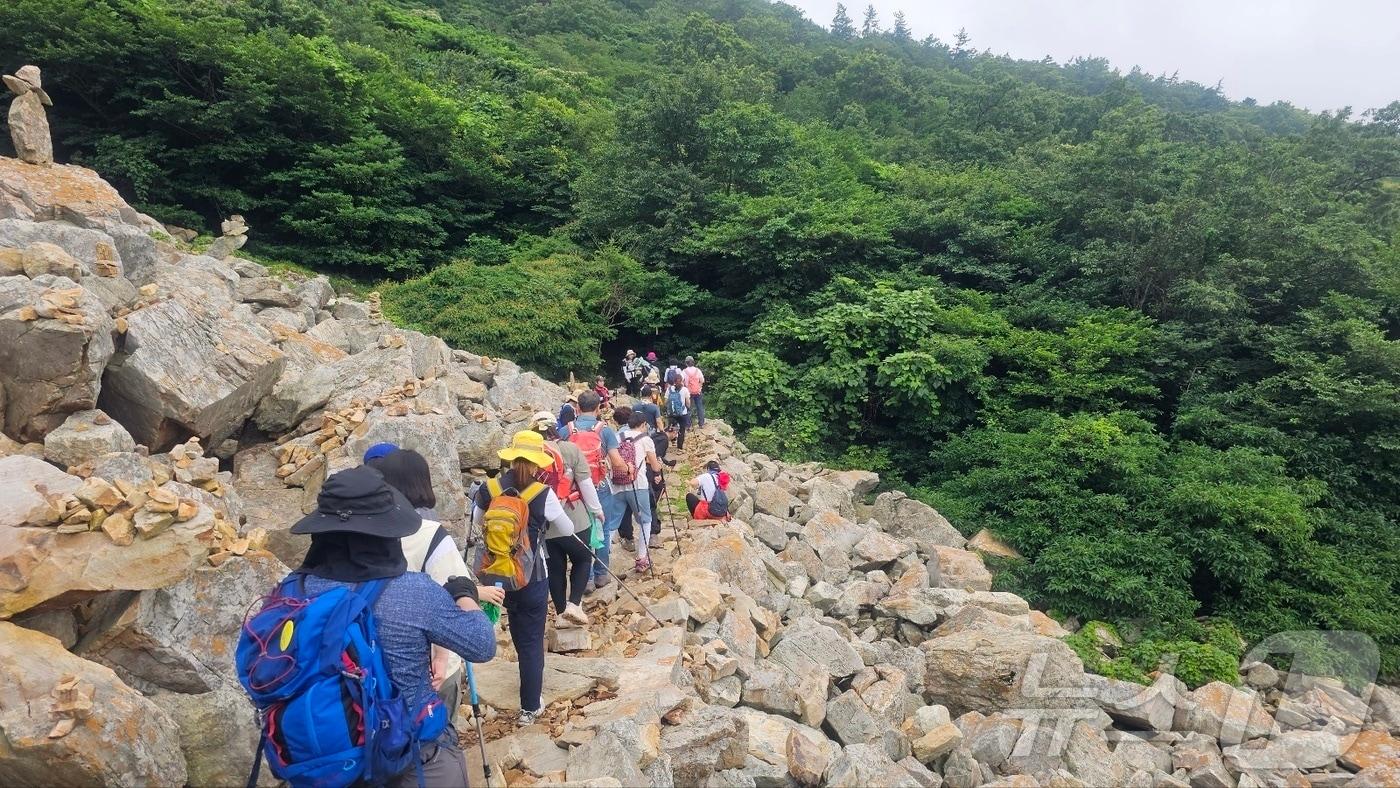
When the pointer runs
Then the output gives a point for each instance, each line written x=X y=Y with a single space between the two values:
x=670 y=511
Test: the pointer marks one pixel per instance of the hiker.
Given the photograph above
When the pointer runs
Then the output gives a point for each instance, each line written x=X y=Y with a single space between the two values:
x=695 y=383
x=526 y=607
x=673 y=373
x=647 y=407
x=600 y=387
x=430 y=550
x=634 y=369
x=356 y=544
x=678 y=411
x=656 y=480
x=566 y=415
x=599 y=444
x=572 y=481
x=653 y=373
x=631 y=491
x=708 y=498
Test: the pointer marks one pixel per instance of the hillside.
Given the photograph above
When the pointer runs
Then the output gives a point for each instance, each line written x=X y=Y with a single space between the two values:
x=170 y=414
x=1146 y=335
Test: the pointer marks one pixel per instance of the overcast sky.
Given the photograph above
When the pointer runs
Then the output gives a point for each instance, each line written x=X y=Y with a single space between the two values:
x=1319 y=54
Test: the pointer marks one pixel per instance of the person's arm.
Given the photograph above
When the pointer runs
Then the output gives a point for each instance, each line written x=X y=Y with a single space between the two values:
x=555 y=514
x=652 y=461
x=468 y=633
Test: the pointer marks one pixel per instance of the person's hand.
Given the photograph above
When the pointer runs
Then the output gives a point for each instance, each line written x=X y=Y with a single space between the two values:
x=493 y=594
x=438 y=667
x=460 y=586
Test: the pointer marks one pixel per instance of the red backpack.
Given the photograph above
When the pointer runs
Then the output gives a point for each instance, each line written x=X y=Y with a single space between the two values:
x=590 y=442
x=556 y=477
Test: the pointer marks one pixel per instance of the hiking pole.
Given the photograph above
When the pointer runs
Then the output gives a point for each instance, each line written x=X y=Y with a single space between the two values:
x=476 y=712
x=671 y=511
x=619 y=581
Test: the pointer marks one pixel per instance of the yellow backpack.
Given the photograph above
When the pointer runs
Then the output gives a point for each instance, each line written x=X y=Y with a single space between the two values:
x=508 y=553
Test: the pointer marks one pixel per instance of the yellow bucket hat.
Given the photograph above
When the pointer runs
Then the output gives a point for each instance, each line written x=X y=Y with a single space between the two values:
x=527 y=445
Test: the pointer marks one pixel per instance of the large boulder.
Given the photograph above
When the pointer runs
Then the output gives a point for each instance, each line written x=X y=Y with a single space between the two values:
x=864 y=765
x=906 y=518
x=525 y=394
x=435 y=437
x=1230 y=714
x=85 y=436
x=995 y=670
x=707 y=740
x=270 y=504
x=24 y=483
x=62 y=191
x=184 y=370
x=50 y=366
x=805 y=639
x=950 y=567
x=123 y=739
x=308 y=381
x=40 y=565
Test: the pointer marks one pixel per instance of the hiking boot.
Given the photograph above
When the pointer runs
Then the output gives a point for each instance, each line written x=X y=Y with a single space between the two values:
x=642 y=565
x=574 y=615
x=600 y=582
x=588 y=587
x=629 y=545
x=654 y=543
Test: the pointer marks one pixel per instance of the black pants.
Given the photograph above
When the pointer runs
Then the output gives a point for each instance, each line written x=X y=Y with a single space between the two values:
x=526 y=611
x=567 y=549
x=691 y=501
x=682 y=424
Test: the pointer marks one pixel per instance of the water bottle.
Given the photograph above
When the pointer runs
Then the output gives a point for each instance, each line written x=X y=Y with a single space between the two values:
x=491 y=610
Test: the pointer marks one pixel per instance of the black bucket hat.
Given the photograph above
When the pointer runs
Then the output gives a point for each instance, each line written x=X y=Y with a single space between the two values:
x=359 y=501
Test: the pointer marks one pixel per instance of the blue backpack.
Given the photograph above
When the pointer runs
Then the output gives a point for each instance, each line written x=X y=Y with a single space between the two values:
x=675 y=406
x=330 y=714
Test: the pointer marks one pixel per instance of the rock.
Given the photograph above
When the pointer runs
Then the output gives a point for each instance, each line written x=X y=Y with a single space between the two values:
x=850 y=721
x=921 y=774
x=699 y=587
x=774 y=499
x=991 y=671
x=961 y=770
x=937 y=742
x=806 y=639
x=1087 y=757
x=1047 y=626
x=1385 y=706
x=864 y=765
x=299 y=391
x=1229 y=714
x=123 y=739
x=905 y=518
x=833 y=537
x=1371 y=748
x=857 y=483
x=1261 y=676
x=182 y=638
x=725 y=691
x=218 y=734
x=605 y=756
x=987 y=543
x=525 y=393
x=498 y=683
x=1199 y=757
x=84 y=436
x=46 y=258
x=1134 y=706
x=877 y=549
x=61 y=191
x=29 y=129
x=990 y=738
x=707 y=740
x=561 y=641
x=826 y=496
x=1288 y=750
x=972 y=617
x=435 y=437
x=1134 y=753
x=39 y=565
x=797 y=692
x=49 y=367
x=950 y=567
x=24 y=482
x=927 y=718
x=184 y=371
x=315 y=292
x=771 y=531
x=807 y=761
x=270 y=504
x=265 y=290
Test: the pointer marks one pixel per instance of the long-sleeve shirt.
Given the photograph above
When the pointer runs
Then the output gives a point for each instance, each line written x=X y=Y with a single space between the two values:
x=413 y=613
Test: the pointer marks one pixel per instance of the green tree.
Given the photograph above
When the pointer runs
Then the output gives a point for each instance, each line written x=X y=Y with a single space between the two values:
x=842 y=28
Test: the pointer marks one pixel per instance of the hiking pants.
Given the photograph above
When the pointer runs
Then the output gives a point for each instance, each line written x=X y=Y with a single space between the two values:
x=526 y=611
x=682 y=423
x=444 y=765
x=697 y=409
x=568 y=549
x=637 y=503
x=600 y=566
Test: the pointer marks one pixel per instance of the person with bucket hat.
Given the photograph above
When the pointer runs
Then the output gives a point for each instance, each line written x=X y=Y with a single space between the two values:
x=526 y=607
x=569 y=559
x=355 y=539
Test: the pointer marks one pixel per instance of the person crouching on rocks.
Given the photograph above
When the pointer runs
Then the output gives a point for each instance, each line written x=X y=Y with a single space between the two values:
x=430 y=550
x=708 y=498
x=501 y=504
x=569 y=558
x=356 y=534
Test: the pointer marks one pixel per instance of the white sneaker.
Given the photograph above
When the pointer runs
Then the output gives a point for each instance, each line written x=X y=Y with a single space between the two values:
x=528 y=718
x=574 y=614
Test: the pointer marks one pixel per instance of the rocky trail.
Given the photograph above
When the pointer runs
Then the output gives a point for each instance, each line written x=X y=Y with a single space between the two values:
x=168 y=413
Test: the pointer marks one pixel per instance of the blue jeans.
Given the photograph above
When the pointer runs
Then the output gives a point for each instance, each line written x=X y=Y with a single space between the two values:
x=638 y=502
x=600 y=566
x=697 y=409
x=526 y=611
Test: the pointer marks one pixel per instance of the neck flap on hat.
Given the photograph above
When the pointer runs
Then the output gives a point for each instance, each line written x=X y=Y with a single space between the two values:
x=354 y=558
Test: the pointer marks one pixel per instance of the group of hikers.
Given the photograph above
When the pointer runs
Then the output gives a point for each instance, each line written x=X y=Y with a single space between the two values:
x=356 y=660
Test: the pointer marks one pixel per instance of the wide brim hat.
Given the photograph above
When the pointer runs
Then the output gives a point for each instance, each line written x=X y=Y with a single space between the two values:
x=527 y=445
x=359 y=501
x=542 y=418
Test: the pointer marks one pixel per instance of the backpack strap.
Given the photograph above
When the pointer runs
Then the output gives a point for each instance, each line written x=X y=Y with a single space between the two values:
x=433 y=546
x=493 y=487
x=532 y=491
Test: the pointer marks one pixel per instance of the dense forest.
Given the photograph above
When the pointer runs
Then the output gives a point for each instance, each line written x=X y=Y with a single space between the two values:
x=1148 y=335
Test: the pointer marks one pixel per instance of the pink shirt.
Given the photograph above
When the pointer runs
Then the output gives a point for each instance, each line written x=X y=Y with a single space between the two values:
x=694 y=379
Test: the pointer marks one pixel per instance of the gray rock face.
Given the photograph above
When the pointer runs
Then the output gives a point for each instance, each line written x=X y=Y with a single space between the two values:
x=864 y=765
x=708 y=740
x=1135 y=706
x=166 y=383
x=29 y=129
x=988 y=671
x=1087 y=757
x=48 y=367
x=433 y=436
x=267 y=291
x=905 y=518
x=805 y=639
x=85 y=436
